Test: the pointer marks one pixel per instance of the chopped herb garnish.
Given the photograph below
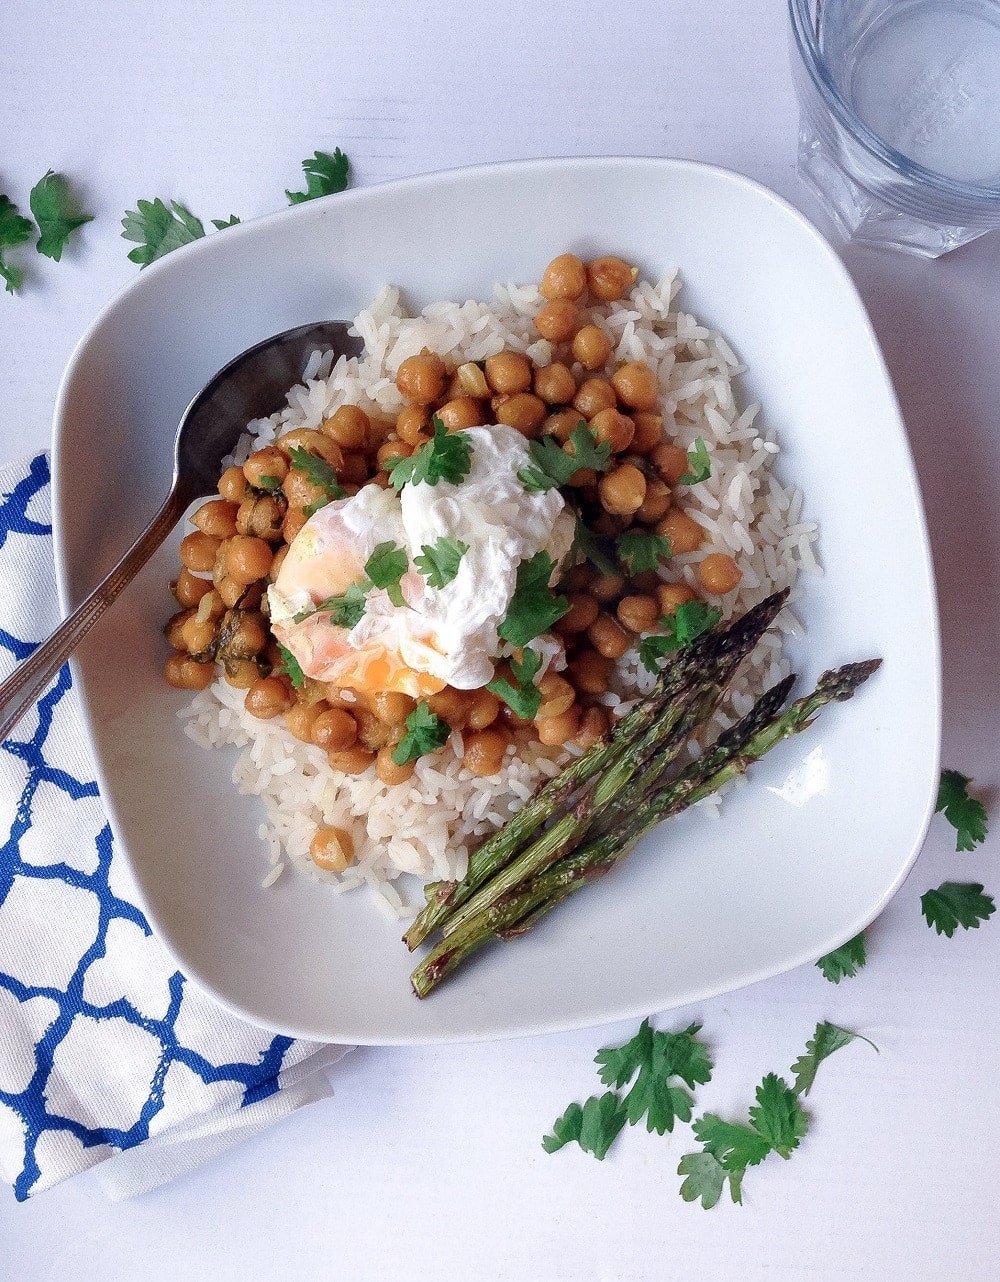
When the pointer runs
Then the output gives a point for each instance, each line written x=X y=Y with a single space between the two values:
x=425 y=732
x=325 y=175
x=956 y=904
x=318 y=471
x=639 y=550
x=14 y=230
x=346 y=610
x=588 y=545
x=56 y=214
x=438 y=562
x=826 y=1039
x=385 y=567
x=220 y=224
x=699 y=466
x=553 y=466
x=965 y=814
x=446 y=457
x=534 y=607
x=844 y=962
x=268 y=483
x=525 y=698
x=594 y=1127
x=688 y=621
x=290 y=666
x=158 y=229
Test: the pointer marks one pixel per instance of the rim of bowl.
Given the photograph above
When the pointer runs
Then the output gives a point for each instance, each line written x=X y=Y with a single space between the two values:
x=803 y=29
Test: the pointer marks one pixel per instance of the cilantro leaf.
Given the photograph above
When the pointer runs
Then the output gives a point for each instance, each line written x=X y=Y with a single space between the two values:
x=425 y=732
x=346 y=610
x=438 y=562
x=956 y=904
x=594 y=1127
x=554 y=466
x=446 y=457
x=778 y=1116
x=653 y=1058
x=290 y=666
x=639 y=550
x=319 y=472
x=705 y=1179
x=699 y=466
x=525 y=699
x=687 y=622
x=734 y=1144
x=325 y=175
x=844 y=962
x=56 y=214
x=965 y=814
x=588 y=545
x=15 y=229
x=826 y=1039
x=534 y=607
x=220 y=224
x=385 y=567
x=158 y=229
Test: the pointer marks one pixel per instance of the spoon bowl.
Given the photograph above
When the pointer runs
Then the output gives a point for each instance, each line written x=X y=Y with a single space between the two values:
x=252 y=385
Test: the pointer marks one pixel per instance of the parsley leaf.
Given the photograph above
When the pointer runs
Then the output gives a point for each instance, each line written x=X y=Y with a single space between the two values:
x=534 y=607
x=325 y=175
x=425 y=732
x=588 y=545
x=385 y=567
x=778 y=1116
x=956 y=904
x=965 y=814
x=699 y=466
x=319 y=472
x=14 y=230
x=826 y=1039
x=653 y=1058
x=290 y=665
x=438 y=562
x=594 y=1127
x=158 y=229
x=220 y=224
x=346 y=610
x=56 y=214
x=525 y=699
x=639 y=550
x=687 y=622
x=844 y=962
x=446 y=457
x=705 y=1179
x=554 y=466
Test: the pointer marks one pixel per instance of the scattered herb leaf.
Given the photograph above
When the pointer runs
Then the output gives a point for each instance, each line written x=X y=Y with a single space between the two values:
x=594 y=1127
x=220 y=224
x=965 y=814
x=425 y=732
x=553 y=466
x=268 y=483
x=325 y=175
x=438 y=562
x=158 y=229
x=525 y=698
x=318 y=471
x=446 y=457
x=588 y=545
x=653 y=1058
x=640 y=550
x=385 y=567
x=687 y=622
x=699 y=466
x=956 y=904
x=778 y=1116
x=844 y=962
x=346 y=610
x=534 y=607
x=15 y=229
x=56 y=214
x=826 y=1039
x=290 y=665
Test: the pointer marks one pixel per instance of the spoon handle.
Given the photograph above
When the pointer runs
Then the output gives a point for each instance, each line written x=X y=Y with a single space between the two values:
x=26 y=683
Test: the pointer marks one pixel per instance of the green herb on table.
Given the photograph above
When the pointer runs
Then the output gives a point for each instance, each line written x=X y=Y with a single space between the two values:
x=56 y=213
x=15 y=229
x=525 y=698
x=385 y=567
x=290 y=667
x=594 y=1127
x=534 y=607
x=956 y=904
x=553 y=466
x=688 y=621
x=844 y=962
x=158 y=228
x=220 y=224
x=425 y=732
x=325 y=175
x=699 y=466
x=438 y=562
x=446 y=457
x=640 y=550
x=965 y=814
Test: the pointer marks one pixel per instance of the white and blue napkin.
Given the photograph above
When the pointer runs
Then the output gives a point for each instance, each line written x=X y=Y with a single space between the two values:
x=107 y=1053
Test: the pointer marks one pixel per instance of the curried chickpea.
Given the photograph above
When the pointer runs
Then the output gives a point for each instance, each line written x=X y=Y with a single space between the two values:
x=508 y=372
x=484 y=750
x=565 y=277
x=606 y=587
x=189 y=589
x=472 y=380
x=261 y=515
x=583 y=610
x=198 y=634
x=173 y=630
x=670 y=461
x=610 y=278
x=269 y=697
x=354 y=470
x=245 y=635
x=591 y=347
x=555 y=383
x=301 y=717
x=217 y=517
x=648 y=431
x=392 y=708
x=390 y=452
x=233 y=485
x=639 y=613
x=636 y=385
x=372 y=733
x=484 y=710
x=594 y=395
x=622 y=490
x=452 y=706
x=247 y=558
x=331 y=849
x=240 y=673
x=389 y=771
x=348 y=426
x=683 y=531
x=615 y=428
x=523 y=412
x=352 y=761
x=299 y=491
x=594 y=725
x=560 y=729
x=589 y=671
x=557 y=696
x=265 y=469
x=334 y=730
x=422 y=378
x=670 y=595
x=461 y=412
x=654 y=506
x=718 y=573
x=313 y=442
x=561 y=424
x=608 y=637
x=198 y=551
x=413 y=424
x=558 y=320
x=294 y=520
x=185 y=673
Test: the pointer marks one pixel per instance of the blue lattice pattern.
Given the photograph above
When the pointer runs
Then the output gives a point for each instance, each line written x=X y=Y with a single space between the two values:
x=103 y=1043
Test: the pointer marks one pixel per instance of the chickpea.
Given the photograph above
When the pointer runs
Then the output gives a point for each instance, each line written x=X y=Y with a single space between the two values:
x=392 y=708
x=670 y=461
x=198 y=551
x=608 y=526
x=261 y=515
x=246 y=635
x=389 y=771
x=524 y=412
x=592 y=347
x=670 y=595
x=294 y=520
x=230 y=592
x=578 y=578
x=460 y=413
x=313 y=442
x=269 y=697
x=348 y=426
x=217 y=518
x=508 y=372
x=654 y=506
x=565 y=277
x=683 y=531
x=622 y=490
x=452 y=706
x=718 y=573
x=300 y=491
x=648 y=431
x=472 y=380
x=422 y=378
x=198 y=634
x=232 y=485
x=561 y=424
x=558 y=320
x=265 y=469
x=240 y=673
x=583 y=610
x=372 y=733
x=589 y=671
x=247 y=558
x=301 y=717
x=610 y=278
x=484 y=710
x=594 y=725
x=615 y=428
x=331 y=849
x=484 y=751
x=352 y=761
x=638 y=613
x=413 y=424
x=173 y=630
x=390 y=452
x=636 y=385
x=557 y=696
x=354 y=470
x=606 y=587
x=555 y=383
x=185 y=673
x=594 y=395
x=334 y=730
x=608 y=637
x=555 y=731
x=189 y=589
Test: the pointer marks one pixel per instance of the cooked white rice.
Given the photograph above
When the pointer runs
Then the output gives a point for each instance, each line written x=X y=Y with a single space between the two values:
x=427 y=826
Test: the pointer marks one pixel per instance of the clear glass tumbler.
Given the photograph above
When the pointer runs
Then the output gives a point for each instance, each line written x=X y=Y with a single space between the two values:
x=899 y=131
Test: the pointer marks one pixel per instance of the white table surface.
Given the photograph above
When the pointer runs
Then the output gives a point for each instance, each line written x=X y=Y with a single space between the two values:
x=429 y=1162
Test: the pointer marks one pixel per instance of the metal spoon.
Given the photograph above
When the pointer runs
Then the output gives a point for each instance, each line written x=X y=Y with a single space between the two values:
x=251 y=386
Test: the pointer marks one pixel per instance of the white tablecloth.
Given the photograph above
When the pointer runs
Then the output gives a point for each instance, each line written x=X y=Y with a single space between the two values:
x=429 y=1162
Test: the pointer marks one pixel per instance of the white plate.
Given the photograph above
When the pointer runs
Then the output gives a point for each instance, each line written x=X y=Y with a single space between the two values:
x=704 y=906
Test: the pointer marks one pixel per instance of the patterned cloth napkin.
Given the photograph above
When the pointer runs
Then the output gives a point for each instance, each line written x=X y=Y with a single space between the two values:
x=107 y=1053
